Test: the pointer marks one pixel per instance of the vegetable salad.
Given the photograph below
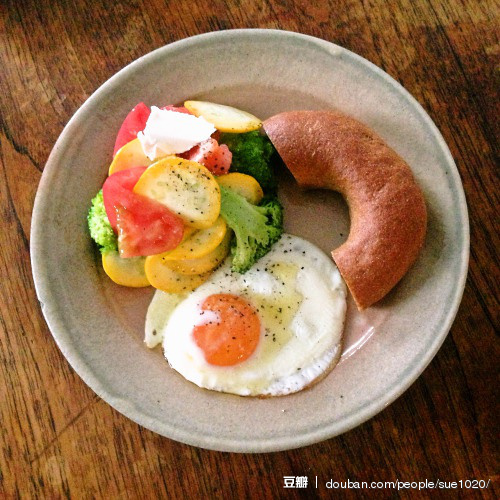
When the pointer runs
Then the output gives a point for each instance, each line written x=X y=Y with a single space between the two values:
x=187 y=186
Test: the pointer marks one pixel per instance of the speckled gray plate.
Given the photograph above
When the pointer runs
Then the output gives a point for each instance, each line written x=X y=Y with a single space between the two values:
x=98 y=325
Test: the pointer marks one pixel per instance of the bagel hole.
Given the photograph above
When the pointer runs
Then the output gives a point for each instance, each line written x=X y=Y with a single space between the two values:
x=320 y=216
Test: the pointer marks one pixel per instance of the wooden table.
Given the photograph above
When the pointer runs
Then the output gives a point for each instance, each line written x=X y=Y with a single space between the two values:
x=58 y=439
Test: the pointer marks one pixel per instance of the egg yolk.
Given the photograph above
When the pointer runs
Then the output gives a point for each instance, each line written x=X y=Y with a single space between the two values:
x=234 y=337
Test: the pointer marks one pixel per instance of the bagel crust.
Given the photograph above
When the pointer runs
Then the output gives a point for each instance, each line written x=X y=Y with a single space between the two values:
x=329 y=150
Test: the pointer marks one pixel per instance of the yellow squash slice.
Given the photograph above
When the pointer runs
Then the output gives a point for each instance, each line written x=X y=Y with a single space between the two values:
x=125 y=272
x=128 y=156
x=224 y=118
x=187 y=188
x=244 y=185
x=198 y=243
x=168 y=280
x=203 y=264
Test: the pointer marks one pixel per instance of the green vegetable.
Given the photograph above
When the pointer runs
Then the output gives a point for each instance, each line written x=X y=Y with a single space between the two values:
x=253 y=155
x=256 y=228
x=100 y=228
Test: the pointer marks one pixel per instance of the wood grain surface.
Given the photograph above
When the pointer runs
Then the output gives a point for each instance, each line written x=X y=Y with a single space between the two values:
x=59 y=440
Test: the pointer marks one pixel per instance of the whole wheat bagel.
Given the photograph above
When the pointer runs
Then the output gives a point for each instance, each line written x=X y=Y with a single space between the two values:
x=329 y=150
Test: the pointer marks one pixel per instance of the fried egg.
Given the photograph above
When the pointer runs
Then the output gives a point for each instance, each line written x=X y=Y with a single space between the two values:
x=272 y=331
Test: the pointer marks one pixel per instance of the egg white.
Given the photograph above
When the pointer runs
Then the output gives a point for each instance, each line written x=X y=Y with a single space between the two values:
x=160 y=308
x=300 y=298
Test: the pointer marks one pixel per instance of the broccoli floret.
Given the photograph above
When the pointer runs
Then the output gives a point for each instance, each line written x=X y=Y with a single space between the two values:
x=253 y=154
x=100 y=228
x=256 y=228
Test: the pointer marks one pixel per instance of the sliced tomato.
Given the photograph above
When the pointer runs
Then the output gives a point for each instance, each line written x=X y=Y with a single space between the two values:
x=179 y=109
x=220 y=161
x=216 y=157
x=134 y=122
x=117 y=190
x=146 y=227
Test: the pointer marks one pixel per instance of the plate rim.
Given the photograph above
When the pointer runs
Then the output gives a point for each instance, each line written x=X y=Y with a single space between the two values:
x=129 y=409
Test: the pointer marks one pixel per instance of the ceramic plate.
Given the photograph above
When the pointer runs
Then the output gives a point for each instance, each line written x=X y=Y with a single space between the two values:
x=99 y=326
